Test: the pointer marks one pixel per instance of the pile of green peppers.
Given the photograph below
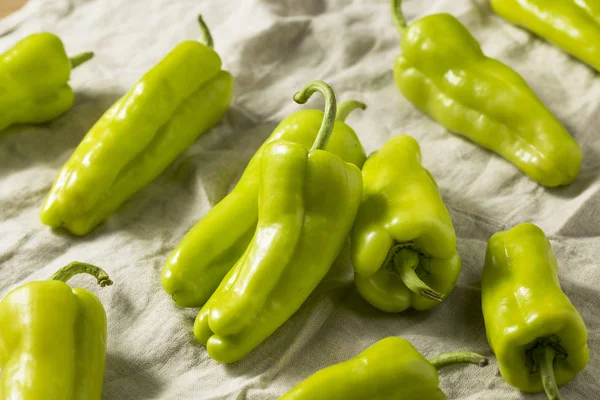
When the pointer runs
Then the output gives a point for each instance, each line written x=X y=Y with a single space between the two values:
x=254 y=259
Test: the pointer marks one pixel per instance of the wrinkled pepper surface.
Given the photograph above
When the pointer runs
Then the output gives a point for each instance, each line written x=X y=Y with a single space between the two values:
x=538 y=337
x=199 y=263
x=572 y=25
x=403 y=242
x=306 y=205
x=53 y=339
x=390 y=369
x=443 y=72
x=34 y=77
x=182 y=97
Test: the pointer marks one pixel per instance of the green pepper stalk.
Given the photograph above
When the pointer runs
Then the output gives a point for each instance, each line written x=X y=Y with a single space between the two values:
x=211 y=248
x=444 y=73
x=53 y=338
x=344 y=109
x=405 y=261
x=539 y=338
x=330 y=110
x=458 y=357
x=80 y=58
x=390 y=369
x=35 y=75
x=544 y=357
x=207 y=38
x=307 y=201
x=76 y=268
x=139 y=136
x=398 y=16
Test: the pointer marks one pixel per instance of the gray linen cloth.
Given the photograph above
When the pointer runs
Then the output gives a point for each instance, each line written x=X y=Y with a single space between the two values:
x=274 y=47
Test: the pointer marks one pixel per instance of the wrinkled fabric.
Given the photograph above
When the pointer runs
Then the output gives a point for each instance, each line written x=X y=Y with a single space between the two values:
x=274 y=47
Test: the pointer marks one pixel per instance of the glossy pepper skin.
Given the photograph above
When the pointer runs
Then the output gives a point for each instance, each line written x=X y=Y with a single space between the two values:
x=572 y=25
x=388 y=370
x=34 y=77
x=53 y=339
x=182 y=97
x=199 y=263
x=443 y=72
x=525 y=310
x=403 y=242
x=306 y=205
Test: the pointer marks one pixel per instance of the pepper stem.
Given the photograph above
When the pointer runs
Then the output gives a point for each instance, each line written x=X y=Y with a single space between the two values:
x=207 y=39
x=80 y=58
x=329 y=114
x=459 y=357
x=398 y=16
x=544 y=357
x=76 y=267
x=405 y=262
x=345 y=108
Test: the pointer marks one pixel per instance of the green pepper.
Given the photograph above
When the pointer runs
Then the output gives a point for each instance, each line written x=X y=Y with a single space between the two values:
x=182 y=97
x=390 y=369
x=443 y=72
x=538 y=337
x=306 y=205
x=572 y=25
x=403 y=242
x=211 y=248
x=34 y=77
x=53 y=339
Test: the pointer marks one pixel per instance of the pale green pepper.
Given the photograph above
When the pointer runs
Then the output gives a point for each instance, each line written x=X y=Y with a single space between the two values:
x=572 y=25
x=538 y=336
x=443 y=72
x=210 y=249
x=53 y=339
x=391 y=369
x=306 y=205
x=34 y=77
x=182 y=97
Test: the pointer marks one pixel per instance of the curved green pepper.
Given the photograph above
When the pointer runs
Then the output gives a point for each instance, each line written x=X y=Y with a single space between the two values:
x=403 y=242
x=572 y=25
x=306 y=205
x=53 y=339
x=34 y=77
x=538 y=337
x=443 y=71
x=211 y=248
x=182 y=97
x=388 y=370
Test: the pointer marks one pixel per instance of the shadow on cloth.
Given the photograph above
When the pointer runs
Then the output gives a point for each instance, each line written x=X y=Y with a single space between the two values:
x=22 y=146
x=283 y=346
x=289 y=8
x=124 y=379
x=587 y=176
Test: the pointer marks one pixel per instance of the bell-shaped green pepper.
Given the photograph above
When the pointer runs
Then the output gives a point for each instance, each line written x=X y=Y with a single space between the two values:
x=306 y=205
x=443 y=71
x=572 y=25
x=34 y=77
x=390 y=369
x=538 y=337
x=53 y=339
x=182 y=97
x=211 y=248
x=403 y=242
